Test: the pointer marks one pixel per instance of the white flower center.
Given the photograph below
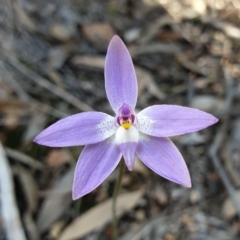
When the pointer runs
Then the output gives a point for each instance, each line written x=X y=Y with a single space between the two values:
x=126 y=135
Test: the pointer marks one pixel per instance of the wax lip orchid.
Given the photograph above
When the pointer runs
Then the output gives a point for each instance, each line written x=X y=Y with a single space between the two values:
x=109 y=138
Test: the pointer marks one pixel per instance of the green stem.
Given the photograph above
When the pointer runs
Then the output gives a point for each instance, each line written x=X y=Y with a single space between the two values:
x=116 y=190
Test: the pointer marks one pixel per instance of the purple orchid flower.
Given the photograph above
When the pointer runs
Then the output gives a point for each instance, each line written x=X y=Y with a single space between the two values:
x=109 y=138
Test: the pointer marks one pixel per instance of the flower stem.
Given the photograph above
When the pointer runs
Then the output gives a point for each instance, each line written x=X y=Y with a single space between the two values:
x=116 y=190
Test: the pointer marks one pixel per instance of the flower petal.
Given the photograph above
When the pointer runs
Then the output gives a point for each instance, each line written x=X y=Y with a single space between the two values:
x=120 y=77
x=162 y=156
x=127 y=140
x=79 y=129
x=171 y=120
x=94 y=165
x=128 y=150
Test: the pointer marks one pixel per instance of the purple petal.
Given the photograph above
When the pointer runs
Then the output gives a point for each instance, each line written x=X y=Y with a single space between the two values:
x=161 y=155
x=94 y=165
x=120 y=77
x=171 y=120
x=79 y=129
x=128 y=150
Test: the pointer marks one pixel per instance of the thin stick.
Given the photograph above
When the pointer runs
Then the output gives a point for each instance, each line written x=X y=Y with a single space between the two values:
x=23 y=158
x=116 y=190
x=36 y=78
x=214 y=148
x=9 y=211
x=213 y=152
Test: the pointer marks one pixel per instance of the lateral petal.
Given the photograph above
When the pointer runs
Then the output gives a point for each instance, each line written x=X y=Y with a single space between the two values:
x=79 y=129
x=162 y=156
x=120 y=77
x=172 y=120
x=94 y=165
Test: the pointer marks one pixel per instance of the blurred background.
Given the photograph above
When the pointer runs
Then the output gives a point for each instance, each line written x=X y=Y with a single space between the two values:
x=52 y=55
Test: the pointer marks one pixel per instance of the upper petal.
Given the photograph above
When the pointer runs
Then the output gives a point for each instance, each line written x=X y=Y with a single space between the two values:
x=79 y=129
x=94 y=165
x=120 y=77
x=161 y=155
x=171 y=120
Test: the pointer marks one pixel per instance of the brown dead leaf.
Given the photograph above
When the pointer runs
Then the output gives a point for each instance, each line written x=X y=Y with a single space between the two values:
x=99 y=34
x=169 y=36
x=12 y=112
x=99 y=215
x=57 y=202
x=11 y=122
x=58 y=157
x=29 y=187
x=15 y=108
x=140 y=167
x=161 y=195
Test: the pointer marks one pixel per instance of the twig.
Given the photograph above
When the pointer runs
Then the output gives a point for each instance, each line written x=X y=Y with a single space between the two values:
x=214 y=148
x=155 y=48
x=48 y=85
x=10 y=214
x=230 y=92
x=24 y=97
x=21 y=157
x=218 y=165
x=229 y=29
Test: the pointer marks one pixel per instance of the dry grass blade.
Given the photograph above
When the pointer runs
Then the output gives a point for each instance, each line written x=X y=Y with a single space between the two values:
x=23 y=158
x=218 y=165
x=154 y=48
x=57 y=202
x=10 y=214
x=99 y=215
x=49 y=86
x=30 y=192
x=95 y=62
x=214 y=148
x=229 y=29
x=146 y=79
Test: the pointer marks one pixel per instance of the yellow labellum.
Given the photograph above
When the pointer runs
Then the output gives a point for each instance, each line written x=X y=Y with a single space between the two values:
x=126 y=125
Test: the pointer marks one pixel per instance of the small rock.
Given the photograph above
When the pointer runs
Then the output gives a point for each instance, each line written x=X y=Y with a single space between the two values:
x=228 y=210
x=61 y=33
x=57 y=56
x=195 y=196
x=132 y=35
